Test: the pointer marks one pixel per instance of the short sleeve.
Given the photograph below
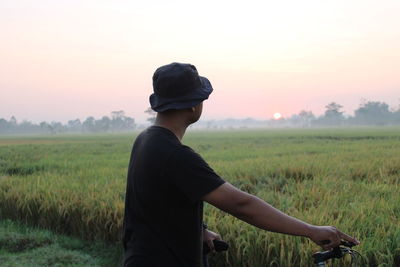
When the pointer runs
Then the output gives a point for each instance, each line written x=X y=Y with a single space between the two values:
x=188 y=171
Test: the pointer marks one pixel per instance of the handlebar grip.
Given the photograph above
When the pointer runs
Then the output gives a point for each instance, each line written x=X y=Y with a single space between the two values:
x=218 y=244
x=348 y=244
x=325 y=255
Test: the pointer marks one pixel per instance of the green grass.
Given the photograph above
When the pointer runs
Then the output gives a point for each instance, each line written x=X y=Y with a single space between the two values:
x=28 y=246
x=344 y=177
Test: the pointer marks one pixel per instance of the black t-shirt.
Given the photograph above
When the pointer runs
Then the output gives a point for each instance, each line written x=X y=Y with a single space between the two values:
x=163 y=206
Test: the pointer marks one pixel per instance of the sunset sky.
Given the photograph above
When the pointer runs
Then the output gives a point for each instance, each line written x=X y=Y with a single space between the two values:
x=63 y=60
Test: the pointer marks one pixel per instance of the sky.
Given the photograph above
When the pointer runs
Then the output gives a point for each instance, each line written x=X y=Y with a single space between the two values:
x=62 y=60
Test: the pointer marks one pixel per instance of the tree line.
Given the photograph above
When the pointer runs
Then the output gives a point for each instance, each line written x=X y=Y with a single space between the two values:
x=373 y=113
x=369 y=113
x=117 y=122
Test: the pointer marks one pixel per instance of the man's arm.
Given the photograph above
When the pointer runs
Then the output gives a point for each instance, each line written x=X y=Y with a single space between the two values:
x=257 y=212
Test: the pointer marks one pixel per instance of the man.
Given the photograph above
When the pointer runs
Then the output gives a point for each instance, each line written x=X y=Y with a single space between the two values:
x=168 y=182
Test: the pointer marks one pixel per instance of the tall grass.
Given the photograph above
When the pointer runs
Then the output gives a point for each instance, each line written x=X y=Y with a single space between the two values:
x=348 y=178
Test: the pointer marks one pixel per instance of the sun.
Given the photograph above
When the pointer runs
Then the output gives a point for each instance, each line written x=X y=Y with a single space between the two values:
x=277 y=116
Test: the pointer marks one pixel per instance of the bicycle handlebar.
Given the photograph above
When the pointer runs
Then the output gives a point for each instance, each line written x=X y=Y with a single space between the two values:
x=218 y=245
x=338 y=252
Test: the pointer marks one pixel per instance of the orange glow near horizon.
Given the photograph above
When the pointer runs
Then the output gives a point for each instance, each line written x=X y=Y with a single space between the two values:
x=71 y=59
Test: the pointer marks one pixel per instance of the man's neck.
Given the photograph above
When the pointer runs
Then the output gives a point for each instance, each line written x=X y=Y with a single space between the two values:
x=175 y=126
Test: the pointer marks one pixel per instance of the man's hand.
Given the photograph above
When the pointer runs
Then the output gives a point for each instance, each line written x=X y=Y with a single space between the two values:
x=329 y=237
x=208 y=237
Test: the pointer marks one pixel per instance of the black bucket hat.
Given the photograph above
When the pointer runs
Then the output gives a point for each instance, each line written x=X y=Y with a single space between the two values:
x=178 y=86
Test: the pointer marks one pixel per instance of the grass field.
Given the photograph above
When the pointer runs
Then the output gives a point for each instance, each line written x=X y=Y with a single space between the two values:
x=344 y=177
x=22 y=246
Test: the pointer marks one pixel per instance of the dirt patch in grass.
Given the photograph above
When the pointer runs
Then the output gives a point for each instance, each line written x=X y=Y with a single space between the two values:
x=23 y=170
x=18 y=243
x=297 y=174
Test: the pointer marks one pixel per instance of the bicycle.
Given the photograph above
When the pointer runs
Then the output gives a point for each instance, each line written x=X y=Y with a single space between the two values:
x=345 y=248
x=320 y=258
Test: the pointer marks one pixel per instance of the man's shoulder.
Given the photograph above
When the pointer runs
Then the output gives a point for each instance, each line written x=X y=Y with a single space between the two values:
x=157 y=135
x=154 y=144
x=183 y=150
x=186 y=155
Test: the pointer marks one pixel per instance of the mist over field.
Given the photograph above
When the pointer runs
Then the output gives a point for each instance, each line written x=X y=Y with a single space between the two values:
x=369 y=113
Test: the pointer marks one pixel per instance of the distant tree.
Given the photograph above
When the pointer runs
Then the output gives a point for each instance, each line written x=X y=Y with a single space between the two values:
x=27 y=127
x=333 y=114
x=4 y=126
x=74 y=125
x=396 y=116
x=57 y=127
x=129 y=123
x=47 y=128
x=117 y=114
x=152 y=115
x=88 y=124
x=103 y=125
x=13 y=121
x=373 y=112
x=117 y=120
x=333 y=110
x=121 y=122
x=306 y=118
x=43 y=126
